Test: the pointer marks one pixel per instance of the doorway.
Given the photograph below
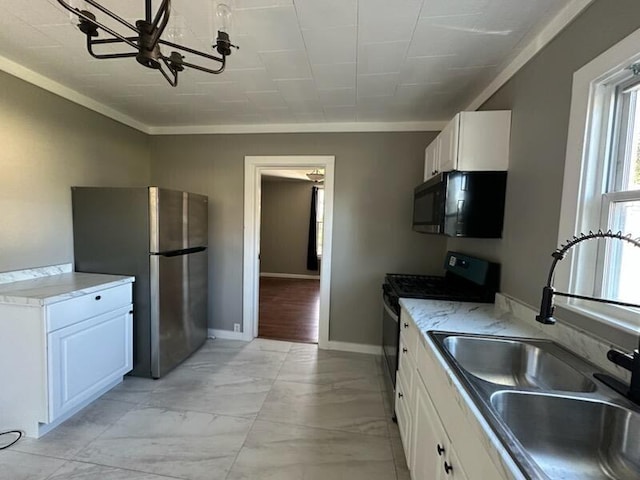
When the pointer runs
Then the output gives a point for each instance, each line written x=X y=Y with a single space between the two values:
x=291 y=220
x=255 y=167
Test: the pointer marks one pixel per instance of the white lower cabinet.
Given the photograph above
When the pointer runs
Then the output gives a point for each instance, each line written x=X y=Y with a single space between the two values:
x=63 y=356
x=433 y=456
x=432 y=429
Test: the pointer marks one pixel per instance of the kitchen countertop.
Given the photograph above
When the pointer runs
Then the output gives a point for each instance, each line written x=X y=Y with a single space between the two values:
x=475 y=318
x=56 y=288
x=466 y=317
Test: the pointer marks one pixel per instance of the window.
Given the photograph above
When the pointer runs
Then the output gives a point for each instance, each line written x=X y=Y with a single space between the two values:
x=319 y=221
x=602 y=186
x=620 y=204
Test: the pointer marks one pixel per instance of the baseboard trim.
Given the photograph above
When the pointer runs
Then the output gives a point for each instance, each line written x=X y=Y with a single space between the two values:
x=225 y=334
x=354 y=347
x=290 y=275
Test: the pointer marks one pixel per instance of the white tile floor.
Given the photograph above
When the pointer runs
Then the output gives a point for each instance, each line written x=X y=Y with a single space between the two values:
x=264 y=410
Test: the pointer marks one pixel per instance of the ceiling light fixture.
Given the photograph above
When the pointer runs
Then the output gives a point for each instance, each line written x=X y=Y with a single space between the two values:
x=145 y=37
x=316 y=176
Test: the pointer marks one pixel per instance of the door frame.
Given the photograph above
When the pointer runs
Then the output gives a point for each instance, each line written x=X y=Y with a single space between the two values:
x=254 y=165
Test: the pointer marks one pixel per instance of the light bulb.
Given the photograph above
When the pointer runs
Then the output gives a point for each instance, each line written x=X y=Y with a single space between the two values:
x=222 y=15
x=175 y=30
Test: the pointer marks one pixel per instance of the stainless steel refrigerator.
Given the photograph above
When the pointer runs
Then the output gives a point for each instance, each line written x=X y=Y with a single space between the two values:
x=160 y=237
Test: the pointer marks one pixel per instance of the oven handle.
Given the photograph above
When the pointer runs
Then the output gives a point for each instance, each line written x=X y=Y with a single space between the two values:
x=390 y=312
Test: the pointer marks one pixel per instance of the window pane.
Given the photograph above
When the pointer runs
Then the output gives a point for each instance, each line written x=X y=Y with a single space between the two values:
x=320 y=206
x=623 y=265
x=632 y=174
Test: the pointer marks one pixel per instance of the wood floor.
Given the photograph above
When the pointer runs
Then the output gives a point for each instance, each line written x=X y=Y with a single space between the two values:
x=289 y=309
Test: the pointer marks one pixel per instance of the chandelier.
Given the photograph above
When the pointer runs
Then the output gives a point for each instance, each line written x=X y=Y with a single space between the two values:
x=145 y=38
x=316 y=176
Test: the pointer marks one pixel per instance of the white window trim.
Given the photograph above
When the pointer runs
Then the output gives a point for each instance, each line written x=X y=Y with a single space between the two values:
x=590 y=104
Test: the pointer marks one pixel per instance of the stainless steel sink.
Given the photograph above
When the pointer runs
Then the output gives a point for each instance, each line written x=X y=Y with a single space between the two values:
x=571 y=437
x=515 y=364
x=543 y=403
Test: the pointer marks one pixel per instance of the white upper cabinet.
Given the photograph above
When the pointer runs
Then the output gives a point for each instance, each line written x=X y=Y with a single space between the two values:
x=472 y=141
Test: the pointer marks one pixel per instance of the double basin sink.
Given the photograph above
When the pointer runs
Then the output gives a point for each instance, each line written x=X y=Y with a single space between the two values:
x=543 y=402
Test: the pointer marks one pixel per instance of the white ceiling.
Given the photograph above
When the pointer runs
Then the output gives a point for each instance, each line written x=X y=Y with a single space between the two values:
x=300 y=61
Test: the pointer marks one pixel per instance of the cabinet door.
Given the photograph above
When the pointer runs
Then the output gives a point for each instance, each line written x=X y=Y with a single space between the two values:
x=86 y=357
x=448 y=153
x=484 y=141
x=404 y=416
x=454 y=468
x=431 y=160
x=430 y=442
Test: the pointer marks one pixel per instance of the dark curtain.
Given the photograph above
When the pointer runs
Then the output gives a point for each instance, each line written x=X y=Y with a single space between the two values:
x=312 y=252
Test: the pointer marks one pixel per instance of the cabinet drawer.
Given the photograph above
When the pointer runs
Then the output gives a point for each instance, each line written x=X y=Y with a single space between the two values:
x=406 y=369
x=409 y=332
x=74 y=310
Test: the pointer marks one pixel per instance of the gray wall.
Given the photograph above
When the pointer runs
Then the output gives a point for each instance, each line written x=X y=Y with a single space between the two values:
x=375 y=177
x=284 y=226
x=539 y=96
x=48 y=145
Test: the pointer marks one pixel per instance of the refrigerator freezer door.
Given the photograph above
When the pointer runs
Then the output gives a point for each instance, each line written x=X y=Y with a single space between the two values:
x=198 y=220
x=177 y=220
x=178 y=308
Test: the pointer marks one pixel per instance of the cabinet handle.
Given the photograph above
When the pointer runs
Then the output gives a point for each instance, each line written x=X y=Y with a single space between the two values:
x=404 y=350
x=98 y=297
x=447 y=468
x=406 y=325
x=130 y=312
x=440 y=449
x=400 y=395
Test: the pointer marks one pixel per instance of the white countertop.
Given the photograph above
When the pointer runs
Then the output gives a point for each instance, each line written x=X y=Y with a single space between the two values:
x=465 y=317
x=56 y=288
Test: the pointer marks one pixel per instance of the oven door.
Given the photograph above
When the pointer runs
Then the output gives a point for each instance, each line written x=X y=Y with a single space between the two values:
x=390 y=333
x=429 y=202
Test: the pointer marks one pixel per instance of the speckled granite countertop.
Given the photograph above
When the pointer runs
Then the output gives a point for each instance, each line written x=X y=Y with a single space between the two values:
x=56 y=288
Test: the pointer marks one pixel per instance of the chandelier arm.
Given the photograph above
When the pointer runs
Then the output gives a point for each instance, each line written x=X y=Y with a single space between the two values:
x=161 y=20
x=99 y=41
x=102 y=56
x=172 y=81
x=117 y=18
x=191 y=50
x=204 y=69
x=97 y=24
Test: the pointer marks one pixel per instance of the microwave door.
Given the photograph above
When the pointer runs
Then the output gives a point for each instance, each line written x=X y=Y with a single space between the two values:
x=428 y=207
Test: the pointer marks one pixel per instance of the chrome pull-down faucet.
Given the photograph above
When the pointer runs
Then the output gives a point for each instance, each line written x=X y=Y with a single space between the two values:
x=628 y=361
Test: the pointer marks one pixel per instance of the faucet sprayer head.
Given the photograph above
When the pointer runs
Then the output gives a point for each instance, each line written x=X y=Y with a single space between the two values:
x=546 y=307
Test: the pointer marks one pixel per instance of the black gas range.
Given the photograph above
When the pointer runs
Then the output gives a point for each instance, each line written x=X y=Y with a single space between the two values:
x=466 y=279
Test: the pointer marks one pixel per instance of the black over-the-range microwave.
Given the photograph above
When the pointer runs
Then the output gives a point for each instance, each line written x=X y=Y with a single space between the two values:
x=461 y=204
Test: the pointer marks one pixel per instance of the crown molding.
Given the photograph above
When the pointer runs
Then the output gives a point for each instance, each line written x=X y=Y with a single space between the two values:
x=555 y=26
x=347 y=127
x=548 y=33
x=34 y=78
